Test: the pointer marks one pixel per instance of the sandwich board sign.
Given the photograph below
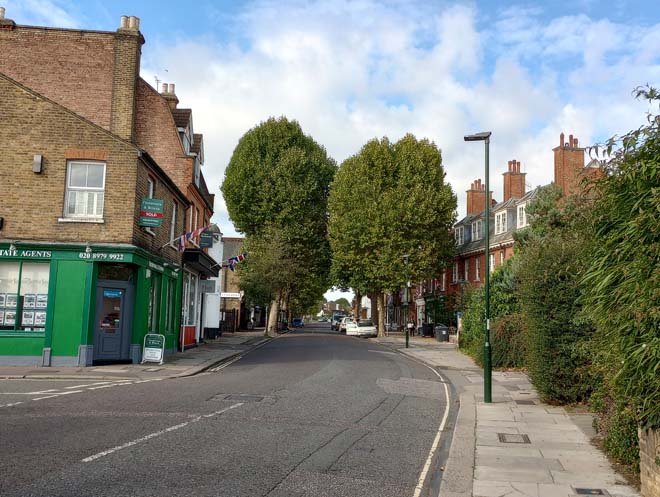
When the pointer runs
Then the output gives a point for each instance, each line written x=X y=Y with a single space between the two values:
x=154 y=348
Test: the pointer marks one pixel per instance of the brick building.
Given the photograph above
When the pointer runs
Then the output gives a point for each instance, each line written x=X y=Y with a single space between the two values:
x=82 y=280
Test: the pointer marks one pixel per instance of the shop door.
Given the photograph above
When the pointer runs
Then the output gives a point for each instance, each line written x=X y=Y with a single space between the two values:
x=113 y=317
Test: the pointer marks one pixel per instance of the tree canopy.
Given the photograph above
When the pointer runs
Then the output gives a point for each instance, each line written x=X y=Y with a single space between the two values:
x=389 y=200
x=276 y=188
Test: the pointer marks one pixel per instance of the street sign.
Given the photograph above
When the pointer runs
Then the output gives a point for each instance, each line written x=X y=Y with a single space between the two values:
x=205 y=239
x=154 y=348
x=151 y=212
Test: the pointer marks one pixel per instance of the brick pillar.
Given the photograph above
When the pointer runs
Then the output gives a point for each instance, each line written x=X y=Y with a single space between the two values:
x=476 y=197
x=127 y=47
x=569 y=164
x=514 y=181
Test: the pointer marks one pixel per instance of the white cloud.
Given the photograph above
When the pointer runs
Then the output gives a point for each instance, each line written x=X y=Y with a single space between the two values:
x=41 y=12
x=351 y=71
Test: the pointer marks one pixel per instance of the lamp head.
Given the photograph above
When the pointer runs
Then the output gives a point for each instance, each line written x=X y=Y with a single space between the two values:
x=477 y=137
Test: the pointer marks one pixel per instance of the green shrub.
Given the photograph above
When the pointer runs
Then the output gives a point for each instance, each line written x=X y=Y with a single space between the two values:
x=509 y=341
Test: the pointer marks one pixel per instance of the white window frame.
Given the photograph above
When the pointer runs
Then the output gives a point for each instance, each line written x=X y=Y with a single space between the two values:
x=477 y=269
x=492 y=262
x=502 y=257
x=477 y=230
x=173 y=225
x=68 y=188
x=466 y=269
x=458 y=235
x=455 y=272
x=500 y=222
x=444 y=280
x=522 y=216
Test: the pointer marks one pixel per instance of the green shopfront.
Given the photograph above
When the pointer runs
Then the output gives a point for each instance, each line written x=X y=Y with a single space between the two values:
x=79 y=305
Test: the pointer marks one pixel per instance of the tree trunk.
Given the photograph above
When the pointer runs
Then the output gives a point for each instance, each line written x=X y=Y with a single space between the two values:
x=356 y=307
x=373 y=298
x=380 y=301
x=273 y=318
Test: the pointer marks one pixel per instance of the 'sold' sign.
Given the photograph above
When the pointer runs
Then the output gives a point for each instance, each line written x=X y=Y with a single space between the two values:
x=151 y=212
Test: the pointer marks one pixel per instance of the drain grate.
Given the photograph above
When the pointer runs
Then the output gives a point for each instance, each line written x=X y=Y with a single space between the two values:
x=513 y=438
x=244 y=398
x=525 y=402
x=591 y=491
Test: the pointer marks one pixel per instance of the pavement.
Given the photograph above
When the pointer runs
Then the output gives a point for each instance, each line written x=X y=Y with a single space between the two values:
x=180 y=364
x=515 y=446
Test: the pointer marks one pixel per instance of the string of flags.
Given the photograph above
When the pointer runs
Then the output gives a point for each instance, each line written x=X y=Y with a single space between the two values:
x=189 y=236
x=232 y=261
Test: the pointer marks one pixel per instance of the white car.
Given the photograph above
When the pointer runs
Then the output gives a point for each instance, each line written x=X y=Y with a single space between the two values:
x=364 y=328
x=343 y=323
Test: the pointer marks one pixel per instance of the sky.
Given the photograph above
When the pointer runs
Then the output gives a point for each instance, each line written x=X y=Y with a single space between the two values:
x=353 y=70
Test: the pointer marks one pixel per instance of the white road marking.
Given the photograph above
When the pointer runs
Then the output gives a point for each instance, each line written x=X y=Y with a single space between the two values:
x=436 y=442
x=59 y=394
x=46 y=397
x=85 y=385
x=158 y=433
x=223 y=366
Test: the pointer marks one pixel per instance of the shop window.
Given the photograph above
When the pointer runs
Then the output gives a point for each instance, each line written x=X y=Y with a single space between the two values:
x=85 y=190
x=169 y=305
x=173 y=225
x=189 y=299
x=154 y=301
x=23 y=296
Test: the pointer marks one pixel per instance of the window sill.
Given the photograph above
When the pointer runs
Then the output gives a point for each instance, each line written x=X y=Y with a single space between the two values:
x=80 y=220
x=21 y=334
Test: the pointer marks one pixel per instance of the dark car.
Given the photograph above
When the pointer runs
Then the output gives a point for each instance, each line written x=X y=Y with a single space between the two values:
x=298 y=323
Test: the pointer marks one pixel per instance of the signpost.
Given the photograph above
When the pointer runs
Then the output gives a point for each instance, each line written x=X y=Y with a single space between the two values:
x=151 y=212
x=206 y=239
x=154 y=348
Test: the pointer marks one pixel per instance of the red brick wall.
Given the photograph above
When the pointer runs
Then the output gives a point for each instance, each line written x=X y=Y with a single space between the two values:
x=156 y=133
x=71 y=67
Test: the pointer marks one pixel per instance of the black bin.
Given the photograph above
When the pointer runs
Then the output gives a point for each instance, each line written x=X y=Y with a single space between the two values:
x=442 y=333
x=427 y=330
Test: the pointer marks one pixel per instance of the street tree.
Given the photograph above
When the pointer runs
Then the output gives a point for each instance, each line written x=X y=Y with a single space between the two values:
x=276 y=188
x=387 y=201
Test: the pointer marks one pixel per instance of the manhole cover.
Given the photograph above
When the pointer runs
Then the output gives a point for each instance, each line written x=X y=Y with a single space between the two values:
x=591 y=491
x=244 y=398
x=513 y=438
x=525 y=402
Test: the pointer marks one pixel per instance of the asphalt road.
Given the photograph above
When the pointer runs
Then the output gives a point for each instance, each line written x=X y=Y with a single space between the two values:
x=312 y=413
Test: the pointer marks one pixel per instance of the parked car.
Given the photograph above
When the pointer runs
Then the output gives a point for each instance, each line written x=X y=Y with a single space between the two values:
x=336 y=319
x=342 y=325
x=298 y=323
x=363 y=328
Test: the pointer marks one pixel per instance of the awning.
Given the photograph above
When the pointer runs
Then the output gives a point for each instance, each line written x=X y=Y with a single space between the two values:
x=201 y=262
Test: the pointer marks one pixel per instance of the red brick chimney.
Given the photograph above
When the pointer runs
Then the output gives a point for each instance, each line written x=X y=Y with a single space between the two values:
x=169 y=94
x=476 y=197
x=569 y=164
x=514 y=181
x=128 y=48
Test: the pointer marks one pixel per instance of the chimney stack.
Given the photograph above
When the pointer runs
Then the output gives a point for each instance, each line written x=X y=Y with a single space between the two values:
x=514 y=181
x=168 y=93
x=2 y=12
x=569 y=164
x=476 y=197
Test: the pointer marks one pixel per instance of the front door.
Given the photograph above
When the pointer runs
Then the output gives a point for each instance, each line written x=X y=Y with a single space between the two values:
x=113 y=316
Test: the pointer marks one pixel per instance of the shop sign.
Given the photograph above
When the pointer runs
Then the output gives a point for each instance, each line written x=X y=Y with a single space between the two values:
x=230 y=295
x=38 y=254
x=206 y=239
x=207 y=286
x=102 y=256
x=156 y=267
x=154 y=348
x=151 y=212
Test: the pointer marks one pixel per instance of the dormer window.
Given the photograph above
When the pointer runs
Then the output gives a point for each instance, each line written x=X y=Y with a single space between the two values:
x=500 y=222
x=522 y=216
x=458 y=235
x=477 y=230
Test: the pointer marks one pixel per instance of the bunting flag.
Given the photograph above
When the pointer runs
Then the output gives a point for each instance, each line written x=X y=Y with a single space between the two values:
x=232 y=261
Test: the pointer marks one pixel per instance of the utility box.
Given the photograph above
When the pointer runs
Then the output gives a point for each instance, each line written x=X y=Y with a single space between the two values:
x=441 y=333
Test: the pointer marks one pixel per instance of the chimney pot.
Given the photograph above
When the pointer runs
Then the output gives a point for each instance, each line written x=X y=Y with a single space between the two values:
x=570 y=140
x=132 y=23
x=575 y=142
x=561 y=139
x=510 y=165
x=172 y=88
x=124 y=22
x=164 y=92
x=2 y=12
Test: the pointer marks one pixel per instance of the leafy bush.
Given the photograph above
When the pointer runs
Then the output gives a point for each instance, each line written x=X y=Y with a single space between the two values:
x=551 y=257
x=509 y=337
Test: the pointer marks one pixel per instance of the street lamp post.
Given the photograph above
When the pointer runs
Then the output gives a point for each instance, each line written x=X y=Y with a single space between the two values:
x=485 y=137
x=406 y=296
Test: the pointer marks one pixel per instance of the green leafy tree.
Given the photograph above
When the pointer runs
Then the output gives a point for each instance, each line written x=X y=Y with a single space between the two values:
x=623 y=280
x=276 y=189
x=389 y=200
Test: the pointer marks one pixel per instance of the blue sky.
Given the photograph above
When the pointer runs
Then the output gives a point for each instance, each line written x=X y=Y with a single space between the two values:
x=353 y=70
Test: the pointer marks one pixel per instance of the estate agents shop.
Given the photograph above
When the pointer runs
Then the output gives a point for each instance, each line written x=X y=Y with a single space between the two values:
x=73 y=305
